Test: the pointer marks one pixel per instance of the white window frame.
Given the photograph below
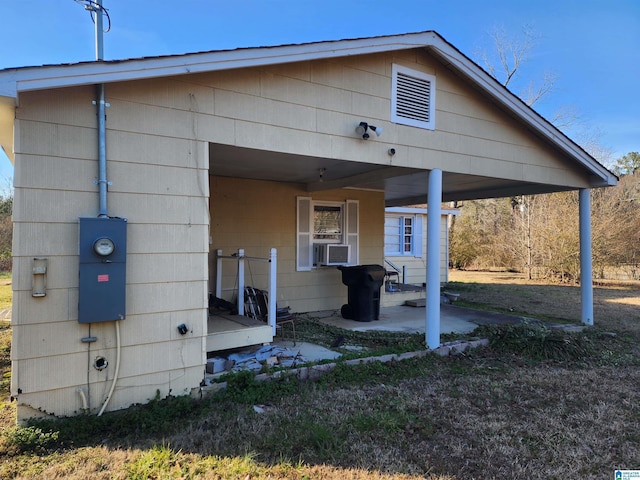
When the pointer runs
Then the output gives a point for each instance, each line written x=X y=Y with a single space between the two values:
x=416 y=235
x=305 y=230
x=396 y=99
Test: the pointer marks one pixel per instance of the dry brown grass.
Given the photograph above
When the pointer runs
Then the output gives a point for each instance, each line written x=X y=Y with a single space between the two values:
x=102 y=463
x=615 y=304
x=483 y=415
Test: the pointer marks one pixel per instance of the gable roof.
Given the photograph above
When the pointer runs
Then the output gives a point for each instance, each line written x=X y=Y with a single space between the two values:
x=13 y=81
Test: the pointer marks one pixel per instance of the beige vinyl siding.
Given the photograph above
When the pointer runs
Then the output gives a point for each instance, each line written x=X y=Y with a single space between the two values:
x=160 y=185
x=258 y=215
x=309 y=109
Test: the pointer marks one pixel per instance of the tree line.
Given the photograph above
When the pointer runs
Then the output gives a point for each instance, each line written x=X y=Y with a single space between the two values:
x=539 y=234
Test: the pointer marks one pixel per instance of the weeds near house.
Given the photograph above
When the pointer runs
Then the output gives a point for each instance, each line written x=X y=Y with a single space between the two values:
x=242 y=387
x=158 y=417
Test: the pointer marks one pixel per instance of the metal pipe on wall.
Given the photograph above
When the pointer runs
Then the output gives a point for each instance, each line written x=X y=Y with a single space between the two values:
x=102 y=117
x=102 y=153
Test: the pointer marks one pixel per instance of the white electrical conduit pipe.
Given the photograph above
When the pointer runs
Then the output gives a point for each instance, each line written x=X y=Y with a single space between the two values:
x=83 y=397
x=115 y=376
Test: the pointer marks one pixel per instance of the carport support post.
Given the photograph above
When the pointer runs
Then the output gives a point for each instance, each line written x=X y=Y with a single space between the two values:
x=586 y=270
x=241 y=281
x=434 y=201
x=273 y=288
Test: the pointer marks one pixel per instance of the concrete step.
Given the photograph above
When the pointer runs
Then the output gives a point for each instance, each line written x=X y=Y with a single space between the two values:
x=418 y=302
x=394 y=299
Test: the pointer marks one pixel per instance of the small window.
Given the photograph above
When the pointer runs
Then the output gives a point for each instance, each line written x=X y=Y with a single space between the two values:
x=413 y=98
x=327 y=223
x=408 y=234
x=403 y=235
x=398 y=235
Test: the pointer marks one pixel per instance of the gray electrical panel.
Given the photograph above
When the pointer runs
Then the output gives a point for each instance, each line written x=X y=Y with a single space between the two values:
x=103 y=262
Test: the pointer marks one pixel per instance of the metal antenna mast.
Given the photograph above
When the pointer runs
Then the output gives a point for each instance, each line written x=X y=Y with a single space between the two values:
x=97 y=12
x=99 y=30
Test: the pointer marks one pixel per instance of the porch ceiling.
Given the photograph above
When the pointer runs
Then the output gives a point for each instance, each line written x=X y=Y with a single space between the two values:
x=401 y=186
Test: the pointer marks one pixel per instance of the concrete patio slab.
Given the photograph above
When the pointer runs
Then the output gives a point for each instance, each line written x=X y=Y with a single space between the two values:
x=453 y=319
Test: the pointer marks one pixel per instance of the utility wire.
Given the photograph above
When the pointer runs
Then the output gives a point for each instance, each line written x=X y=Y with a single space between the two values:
x=95 y=8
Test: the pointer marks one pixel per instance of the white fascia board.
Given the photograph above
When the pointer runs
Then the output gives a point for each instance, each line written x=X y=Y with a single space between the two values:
x=485 y=81
x=8 y=87
x=37 y=78
x=419 y=211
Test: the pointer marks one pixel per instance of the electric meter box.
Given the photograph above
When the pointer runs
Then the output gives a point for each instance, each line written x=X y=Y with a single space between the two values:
x=103 y=262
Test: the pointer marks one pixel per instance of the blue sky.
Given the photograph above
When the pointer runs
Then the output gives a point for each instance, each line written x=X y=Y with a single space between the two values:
x=592 y=46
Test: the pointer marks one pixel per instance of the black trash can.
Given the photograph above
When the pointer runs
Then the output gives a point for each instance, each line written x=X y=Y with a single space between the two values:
x=364 y=282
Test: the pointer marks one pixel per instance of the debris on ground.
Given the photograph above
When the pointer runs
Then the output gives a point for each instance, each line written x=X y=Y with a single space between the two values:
x=269 y=355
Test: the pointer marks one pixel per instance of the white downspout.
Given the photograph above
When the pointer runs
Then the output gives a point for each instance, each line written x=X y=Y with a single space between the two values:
x=586 y=268
x=434 y=201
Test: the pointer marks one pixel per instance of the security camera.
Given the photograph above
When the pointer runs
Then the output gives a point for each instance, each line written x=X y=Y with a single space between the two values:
x=392 y=152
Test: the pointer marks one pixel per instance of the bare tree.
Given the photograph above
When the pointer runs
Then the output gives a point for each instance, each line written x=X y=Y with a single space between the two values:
x=506 y=61
x=506 y=58
x=537 y=234
x=616 y=227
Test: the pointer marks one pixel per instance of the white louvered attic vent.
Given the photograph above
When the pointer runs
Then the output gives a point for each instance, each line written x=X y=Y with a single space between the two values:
x=413 y=98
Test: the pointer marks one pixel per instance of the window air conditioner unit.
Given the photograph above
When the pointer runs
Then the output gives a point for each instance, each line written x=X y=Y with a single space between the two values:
x=332 y=254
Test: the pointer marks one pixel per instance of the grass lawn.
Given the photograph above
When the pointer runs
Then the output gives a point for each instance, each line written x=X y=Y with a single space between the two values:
x=498 y=412
x=5 y=291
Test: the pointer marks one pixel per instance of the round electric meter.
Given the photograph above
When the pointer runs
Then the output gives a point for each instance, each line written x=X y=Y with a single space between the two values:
x=104 y=246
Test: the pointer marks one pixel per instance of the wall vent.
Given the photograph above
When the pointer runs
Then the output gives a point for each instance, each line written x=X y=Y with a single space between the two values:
x=413 y=98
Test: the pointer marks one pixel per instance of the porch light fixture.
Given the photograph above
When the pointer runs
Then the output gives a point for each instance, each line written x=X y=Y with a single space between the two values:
x=362 y=128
